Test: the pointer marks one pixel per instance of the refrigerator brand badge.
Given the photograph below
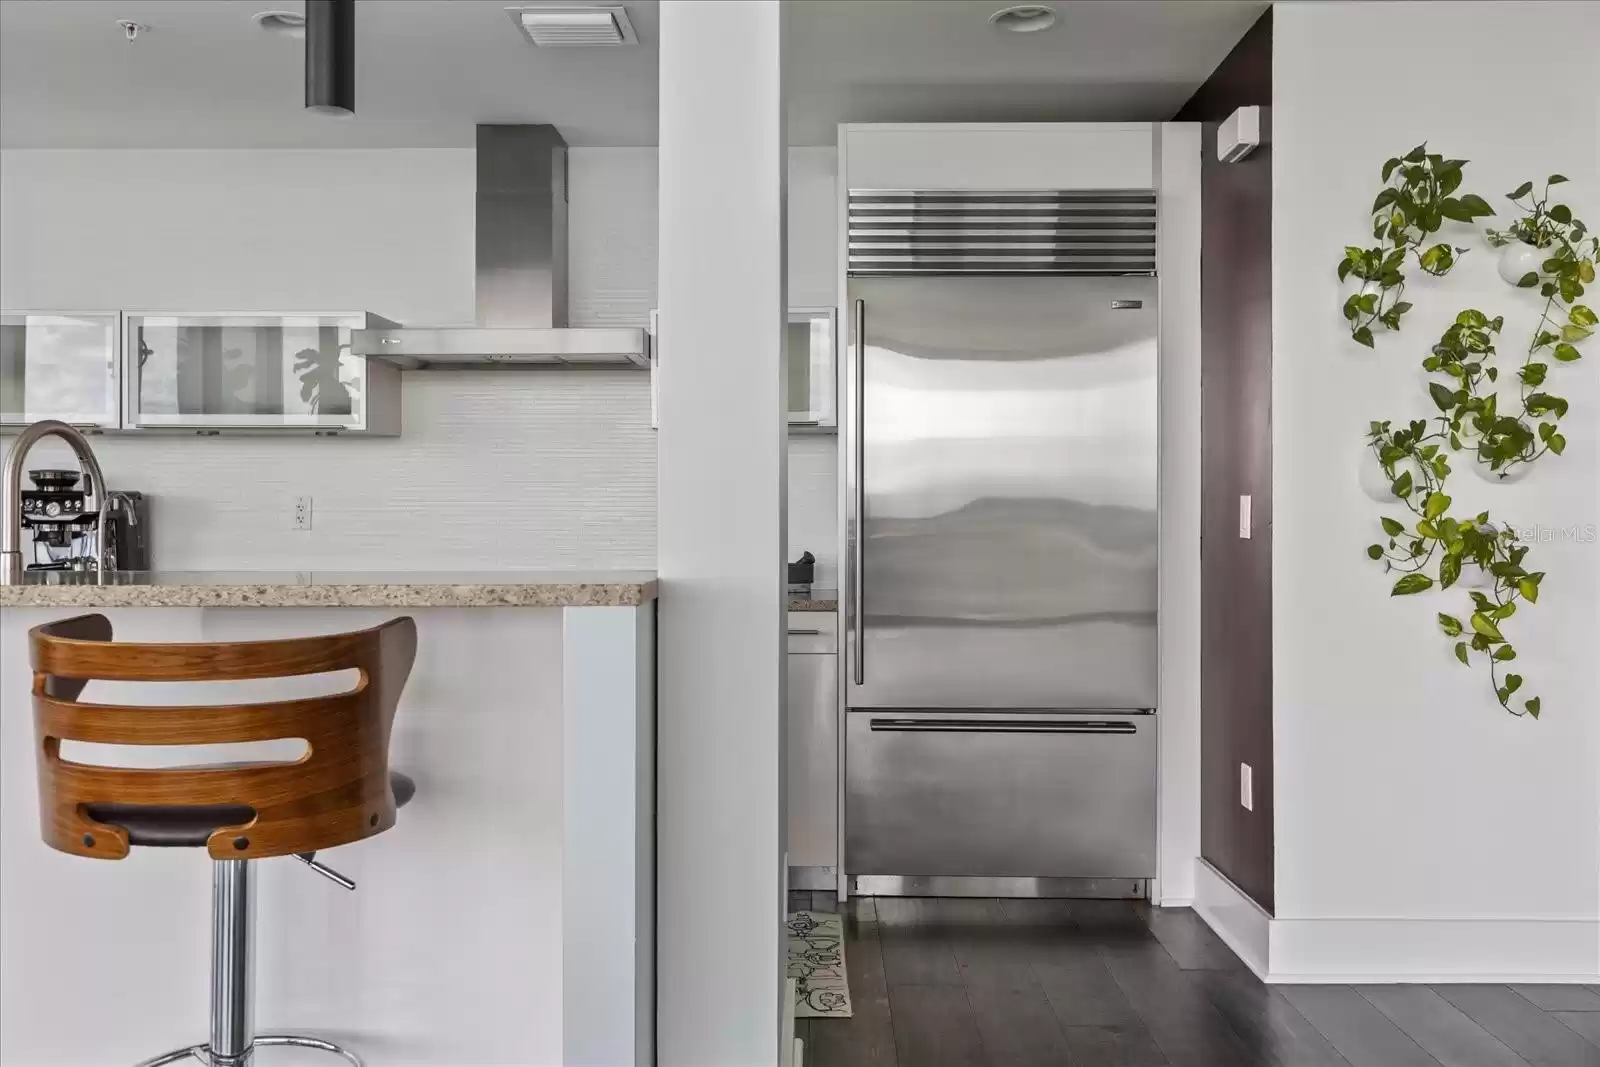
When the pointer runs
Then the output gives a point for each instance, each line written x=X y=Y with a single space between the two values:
x=1124 y=305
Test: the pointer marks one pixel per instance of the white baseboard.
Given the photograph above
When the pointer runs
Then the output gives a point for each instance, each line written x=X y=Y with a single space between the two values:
x=1175 y=902
x=1378 y=951
x=1241 y=923
x=1372 y=951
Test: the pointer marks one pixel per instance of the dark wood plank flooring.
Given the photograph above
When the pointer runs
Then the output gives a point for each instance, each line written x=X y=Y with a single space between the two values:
x=1084 y=983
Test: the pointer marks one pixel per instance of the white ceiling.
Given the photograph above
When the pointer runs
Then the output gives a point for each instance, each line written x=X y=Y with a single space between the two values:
x=427 y=70
x=940 y=61
x=205 y=76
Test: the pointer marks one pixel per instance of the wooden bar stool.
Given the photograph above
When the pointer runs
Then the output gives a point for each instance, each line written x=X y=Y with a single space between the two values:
x=340 y=791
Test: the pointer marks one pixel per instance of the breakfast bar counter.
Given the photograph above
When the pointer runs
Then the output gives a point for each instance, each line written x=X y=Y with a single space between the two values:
x=331 y=589
x=517 y=885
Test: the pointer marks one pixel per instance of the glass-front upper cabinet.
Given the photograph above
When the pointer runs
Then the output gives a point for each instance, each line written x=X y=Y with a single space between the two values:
x=811 y=359
x=210 y=371
x=59 y=365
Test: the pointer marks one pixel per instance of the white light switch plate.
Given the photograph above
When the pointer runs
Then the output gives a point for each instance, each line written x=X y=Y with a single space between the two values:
x=1247 y=787
x=1244 y=516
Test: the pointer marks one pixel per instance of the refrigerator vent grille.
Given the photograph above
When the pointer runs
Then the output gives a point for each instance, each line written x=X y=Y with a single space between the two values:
x=1079 y=231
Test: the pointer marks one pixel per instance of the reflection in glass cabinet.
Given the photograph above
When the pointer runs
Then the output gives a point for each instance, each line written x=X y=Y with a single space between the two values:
x=59 y=365
x=261 y=370
x=810 y=359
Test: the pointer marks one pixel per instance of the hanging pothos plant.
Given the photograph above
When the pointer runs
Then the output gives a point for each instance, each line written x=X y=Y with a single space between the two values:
x=1415 y=202
x=1432 y=548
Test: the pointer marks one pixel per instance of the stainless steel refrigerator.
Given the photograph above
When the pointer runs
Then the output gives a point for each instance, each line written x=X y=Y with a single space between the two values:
x=1000 y=459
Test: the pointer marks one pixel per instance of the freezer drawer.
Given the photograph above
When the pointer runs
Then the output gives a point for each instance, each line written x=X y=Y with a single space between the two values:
x=1000 y=795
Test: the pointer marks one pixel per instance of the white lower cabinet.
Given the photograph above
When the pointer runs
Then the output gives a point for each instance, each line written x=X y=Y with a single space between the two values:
x=811 y=718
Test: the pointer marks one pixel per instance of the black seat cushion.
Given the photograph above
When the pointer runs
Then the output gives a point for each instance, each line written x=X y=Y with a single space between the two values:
x=402 y=787
x=191 y=826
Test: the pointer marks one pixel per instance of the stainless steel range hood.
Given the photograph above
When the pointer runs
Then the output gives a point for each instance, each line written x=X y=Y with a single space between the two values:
x=521 y=260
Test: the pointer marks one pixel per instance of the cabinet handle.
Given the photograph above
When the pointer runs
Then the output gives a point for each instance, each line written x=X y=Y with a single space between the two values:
x=805 y=633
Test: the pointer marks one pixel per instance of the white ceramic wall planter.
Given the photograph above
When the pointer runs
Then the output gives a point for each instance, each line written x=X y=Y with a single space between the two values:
x=1518 y=260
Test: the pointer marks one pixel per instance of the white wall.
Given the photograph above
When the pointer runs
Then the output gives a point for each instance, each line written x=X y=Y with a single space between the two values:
x=510 y=469
x=493 y=469
x=1403 y=791
x=814 y=282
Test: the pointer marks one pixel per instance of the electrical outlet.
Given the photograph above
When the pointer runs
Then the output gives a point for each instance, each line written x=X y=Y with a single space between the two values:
x=1244 y=517
x=301 y=519
x=1247 y=787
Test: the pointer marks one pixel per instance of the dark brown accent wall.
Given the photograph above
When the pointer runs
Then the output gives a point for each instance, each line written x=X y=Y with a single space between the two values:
x=1236 y=442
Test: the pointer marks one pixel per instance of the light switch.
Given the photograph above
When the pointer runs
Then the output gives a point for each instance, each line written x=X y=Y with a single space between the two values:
x=1247 y=787
x=1244 y=516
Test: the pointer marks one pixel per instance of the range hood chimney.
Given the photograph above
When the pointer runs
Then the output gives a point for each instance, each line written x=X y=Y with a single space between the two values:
x=521 y=259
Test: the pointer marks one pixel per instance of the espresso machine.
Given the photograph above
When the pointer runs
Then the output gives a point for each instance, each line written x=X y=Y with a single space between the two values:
x=58 y=527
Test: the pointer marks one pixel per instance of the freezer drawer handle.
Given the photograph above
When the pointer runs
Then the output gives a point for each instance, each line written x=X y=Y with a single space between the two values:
x=1000 y=726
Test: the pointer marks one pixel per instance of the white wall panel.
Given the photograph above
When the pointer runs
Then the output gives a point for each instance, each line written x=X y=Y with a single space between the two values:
x=456 y=926
x=1404 y=795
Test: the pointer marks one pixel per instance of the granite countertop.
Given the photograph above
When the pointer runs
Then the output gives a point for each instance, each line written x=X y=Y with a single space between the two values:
x=333 y=589
x=818 y=600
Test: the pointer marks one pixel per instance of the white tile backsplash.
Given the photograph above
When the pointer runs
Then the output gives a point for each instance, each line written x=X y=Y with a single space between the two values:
x=813 y=503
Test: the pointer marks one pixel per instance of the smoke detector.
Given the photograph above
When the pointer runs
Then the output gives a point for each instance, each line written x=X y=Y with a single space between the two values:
x=573 y=25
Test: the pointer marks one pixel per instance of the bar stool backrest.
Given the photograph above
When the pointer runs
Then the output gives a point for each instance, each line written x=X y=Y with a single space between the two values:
x=336 y=793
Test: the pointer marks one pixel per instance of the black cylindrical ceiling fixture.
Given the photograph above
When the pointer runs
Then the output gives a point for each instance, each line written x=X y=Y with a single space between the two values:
x=331 y=56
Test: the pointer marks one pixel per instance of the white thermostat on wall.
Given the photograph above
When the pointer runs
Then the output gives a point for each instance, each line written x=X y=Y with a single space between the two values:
x=1239 y=134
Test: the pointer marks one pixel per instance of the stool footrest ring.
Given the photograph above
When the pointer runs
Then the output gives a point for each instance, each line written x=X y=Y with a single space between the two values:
x=202 y=1053
x=310 y=1042
x=196 y=1052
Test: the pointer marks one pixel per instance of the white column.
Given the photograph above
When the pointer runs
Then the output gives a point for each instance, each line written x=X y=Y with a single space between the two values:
x=1178 y=244
x=721 y=489
x=608 y=844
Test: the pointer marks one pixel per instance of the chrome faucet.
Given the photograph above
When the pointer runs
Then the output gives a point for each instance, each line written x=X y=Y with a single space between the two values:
x=11 y=561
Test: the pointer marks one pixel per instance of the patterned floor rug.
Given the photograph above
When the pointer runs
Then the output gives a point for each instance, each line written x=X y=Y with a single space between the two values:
x=816 y=963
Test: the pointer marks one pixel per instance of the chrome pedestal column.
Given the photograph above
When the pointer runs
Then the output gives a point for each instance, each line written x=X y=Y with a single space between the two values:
x=233 y=1038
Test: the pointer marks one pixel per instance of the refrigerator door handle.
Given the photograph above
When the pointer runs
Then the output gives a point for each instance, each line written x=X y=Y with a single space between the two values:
x=1000 y=726
x=858 y=462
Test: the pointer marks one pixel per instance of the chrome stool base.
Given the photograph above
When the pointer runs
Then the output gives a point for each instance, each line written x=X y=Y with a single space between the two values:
x=202 y=1053
x=233 y=1039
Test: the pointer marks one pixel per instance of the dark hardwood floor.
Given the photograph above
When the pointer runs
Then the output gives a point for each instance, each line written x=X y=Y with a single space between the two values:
x=1084 y=983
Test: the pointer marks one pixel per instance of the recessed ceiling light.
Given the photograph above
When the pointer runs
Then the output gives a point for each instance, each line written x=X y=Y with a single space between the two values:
x=1024 y=18
x=287 y=23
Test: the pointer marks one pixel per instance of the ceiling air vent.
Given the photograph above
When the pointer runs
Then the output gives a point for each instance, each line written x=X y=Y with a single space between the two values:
x=572 y=26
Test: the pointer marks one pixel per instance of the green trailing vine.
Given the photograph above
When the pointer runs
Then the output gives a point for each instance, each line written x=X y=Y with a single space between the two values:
x=1414 y=204
x=1431 y=548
